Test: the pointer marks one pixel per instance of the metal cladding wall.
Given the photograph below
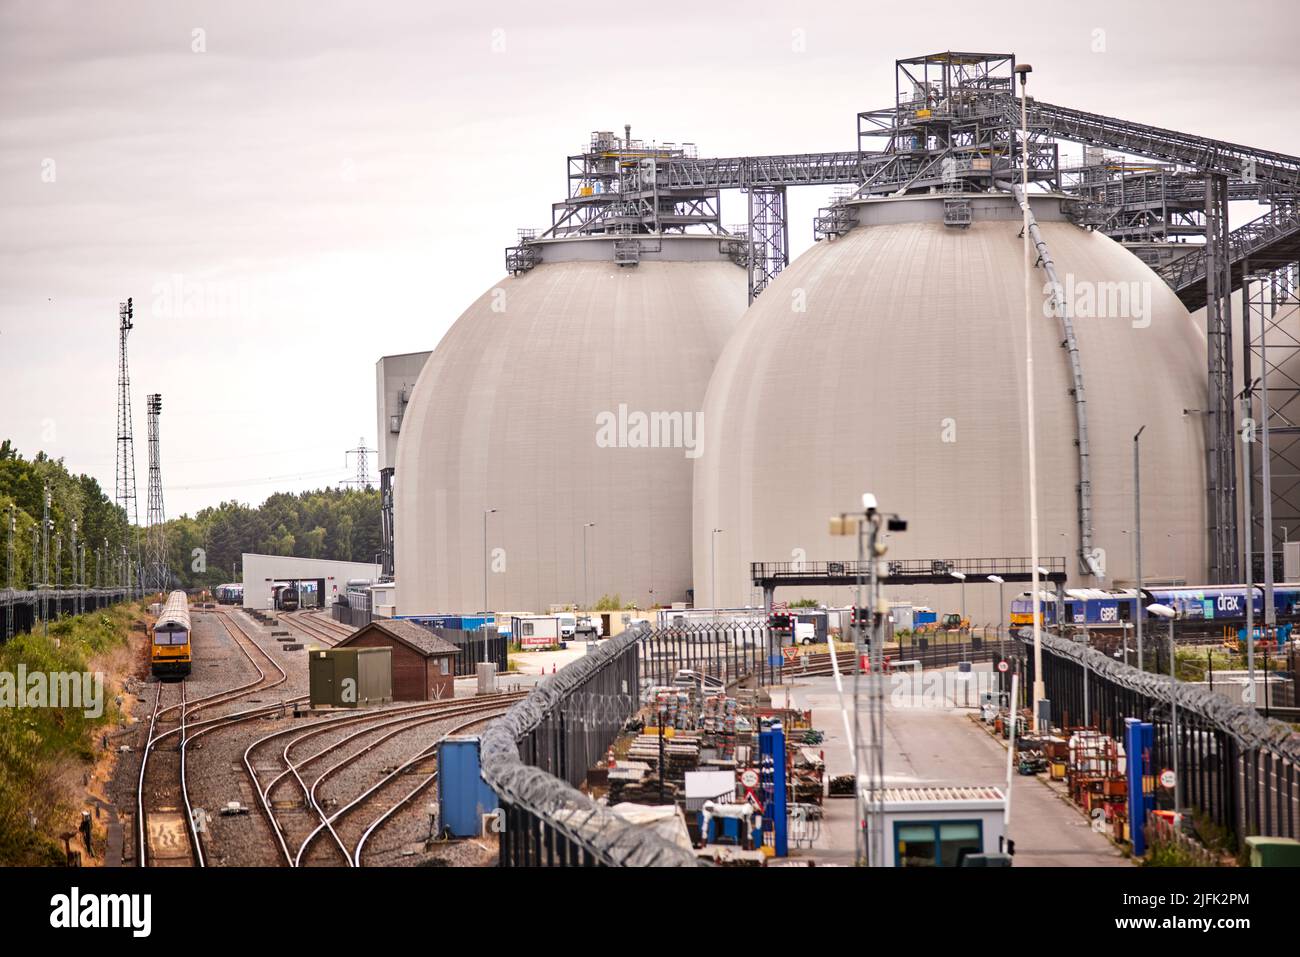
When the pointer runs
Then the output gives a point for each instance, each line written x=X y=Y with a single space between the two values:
x=904 y=375
x=507 y=415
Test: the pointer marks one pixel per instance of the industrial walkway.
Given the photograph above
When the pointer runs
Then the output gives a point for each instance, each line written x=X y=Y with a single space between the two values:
x=944 y=746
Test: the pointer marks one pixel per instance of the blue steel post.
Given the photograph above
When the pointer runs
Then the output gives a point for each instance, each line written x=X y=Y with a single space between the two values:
x=1139 y=738
x=771 y=745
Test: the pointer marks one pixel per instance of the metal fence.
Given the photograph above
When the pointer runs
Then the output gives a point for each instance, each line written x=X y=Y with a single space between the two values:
x=535 y=755
x=943 y=654
x=726 y=650
x=348 y=615
x=21 y=611
x=469 y=648
x=1238 y=769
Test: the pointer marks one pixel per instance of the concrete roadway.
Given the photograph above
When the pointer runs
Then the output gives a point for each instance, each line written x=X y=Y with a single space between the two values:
x=941 y=745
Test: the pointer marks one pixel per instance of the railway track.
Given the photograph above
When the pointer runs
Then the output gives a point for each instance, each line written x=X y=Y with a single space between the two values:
x=329 y=624
x=162 y=831
x=314 y=630
x=302 y=843
x=323 y=780
x=404 y=800
x=167 y=832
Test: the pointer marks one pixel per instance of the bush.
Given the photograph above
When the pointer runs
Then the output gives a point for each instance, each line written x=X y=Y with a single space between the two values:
x=44 y=751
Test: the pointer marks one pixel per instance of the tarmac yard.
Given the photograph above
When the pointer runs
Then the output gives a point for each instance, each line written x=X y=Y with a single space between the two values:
x=943 y=744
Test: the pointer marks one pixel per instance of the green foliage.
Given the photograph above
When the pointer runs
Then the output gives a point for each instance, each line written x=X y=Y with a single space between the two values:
x=79 y=497
x=335 y=523
x=36 y=744
x=609 y=603
x=804 y=603
x=340 y=524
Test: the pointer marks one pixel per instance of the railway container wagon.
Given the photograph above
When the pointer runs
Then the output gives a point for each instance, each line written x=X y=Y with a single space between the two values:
x=1202 y=609
x=170 y=650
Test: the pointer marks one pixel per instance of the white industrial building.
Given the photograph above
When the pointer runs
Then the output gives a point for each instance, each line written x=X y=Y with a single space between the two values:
x=916 y=332
x=550 y=441
x=394 y=381
x=329 y=578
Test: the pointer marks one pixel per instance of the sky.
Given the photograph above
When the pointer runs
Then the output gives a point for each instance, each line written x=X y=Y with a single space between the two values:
x=290 y=190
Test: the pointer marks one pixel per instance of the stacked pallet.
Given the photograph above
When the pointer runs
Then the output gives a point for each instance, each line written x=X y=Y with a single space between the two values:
x=631 y=782
x=675 y=709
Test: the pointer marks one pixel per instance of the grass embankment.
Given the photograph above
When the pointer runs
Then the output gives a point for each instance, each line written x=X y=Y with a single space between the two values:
x=47 y=754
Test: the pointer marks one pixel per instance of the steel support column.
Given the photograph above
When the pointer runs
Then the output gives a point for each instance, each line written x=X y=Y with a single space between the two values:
x=1220 y=448
x=1271 y=329
x=769 y=237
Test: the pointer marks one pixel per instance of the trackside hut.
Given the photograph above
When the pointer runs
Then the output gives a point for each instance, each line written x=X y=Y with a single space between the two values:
x=424 y=665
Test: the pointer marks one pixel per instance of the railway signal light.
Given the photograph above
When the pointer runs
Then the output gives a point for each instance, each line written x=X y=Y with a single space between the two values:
x=779 y=621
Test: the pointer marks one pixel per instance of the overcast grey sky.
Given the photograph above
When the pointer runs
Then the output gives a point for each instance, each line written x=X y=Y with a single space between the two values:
x=323 y=183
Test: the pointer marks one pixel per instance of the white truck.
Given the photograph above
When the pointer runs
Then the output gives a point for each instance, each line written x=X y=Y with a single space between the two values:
x=568 y=625
x=805 y=633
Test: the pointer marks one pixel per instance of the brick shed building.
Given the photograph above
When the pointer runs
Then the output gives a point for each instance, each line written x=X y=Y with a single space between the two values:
x=424 y=665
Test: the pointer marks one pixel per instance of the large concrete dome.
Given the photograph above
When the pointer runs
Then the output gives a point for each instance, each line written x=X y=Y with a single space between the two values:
x=551 y=400
x=892 y=360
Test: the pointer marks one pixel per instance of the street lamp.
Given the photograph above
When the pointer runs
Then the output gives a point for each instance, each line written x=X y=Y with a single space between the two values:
x=1023 y=70
x=1169 y=614
x=713 y=560
x=586 y=597
x=961 y=577
x=1002 y=607
x=486 y=513
x=1245 y=395
x=1137 y=532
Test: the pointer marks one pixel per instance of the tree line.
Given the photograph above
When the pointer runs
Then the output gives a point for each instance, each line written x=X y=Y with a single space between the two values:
x=202 y=551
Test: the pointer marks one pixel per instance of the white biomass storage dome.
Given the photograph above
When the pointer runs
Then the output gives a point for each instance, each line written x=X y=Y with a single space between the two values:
x=566 y=395
x=904 y=375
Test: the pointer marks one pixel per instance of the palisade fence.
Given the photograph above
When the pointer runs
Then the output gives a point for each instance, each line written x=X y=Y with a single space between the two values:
x=1238 y=769
x=351 y=615
x=536 y=755
x=21 y=611
x=727 y=650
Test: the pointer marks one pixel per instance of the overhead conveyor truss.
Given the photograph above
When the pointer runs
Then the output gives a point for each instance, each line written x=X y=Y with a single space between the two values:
x=1138 y=139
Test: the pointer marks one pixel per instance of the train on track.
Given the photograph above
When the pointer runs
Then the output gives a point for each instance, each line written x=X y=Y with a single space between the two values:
x=1208 y=610
x=169 y=652
x=285 y=596
x=231 y=594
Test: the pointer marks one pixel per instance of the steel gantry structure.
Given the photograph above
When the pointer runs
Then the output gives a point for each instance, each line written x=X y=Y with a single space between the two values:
x=954 y=128
x=156 y=575
x=124 y=493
